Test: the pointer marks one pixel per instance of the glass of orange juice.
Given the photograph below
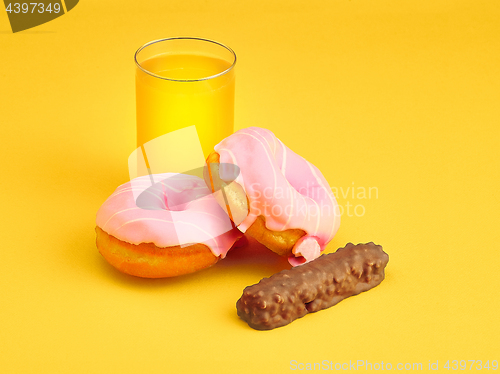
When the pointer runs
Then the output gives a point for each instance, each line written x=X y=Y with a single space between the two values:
x=181 y=82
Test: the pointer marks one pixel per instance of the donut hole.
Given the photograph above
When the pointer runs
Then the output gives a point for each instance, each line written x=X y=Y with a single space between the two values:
x=152 y=198
x=173 y=193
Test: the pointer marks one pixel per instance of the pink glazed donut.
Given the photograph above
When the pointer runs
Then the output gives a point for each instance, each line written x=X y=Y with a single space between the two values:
x=168 y=228
x=279 y=198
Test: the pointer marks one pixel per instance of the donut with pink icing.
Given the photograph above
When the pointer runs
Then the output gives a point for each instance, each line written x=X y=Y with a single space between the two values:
x=163 y=229
x=279 y=198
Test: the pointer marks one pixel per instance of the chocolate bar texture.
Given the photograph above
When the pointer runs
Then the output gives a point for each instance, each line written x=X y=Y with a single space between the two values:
x=291 y=294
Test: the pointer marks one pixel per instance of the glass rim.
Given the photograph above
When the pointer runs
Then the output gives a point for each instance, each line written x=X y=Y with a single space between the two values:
x=184 y=38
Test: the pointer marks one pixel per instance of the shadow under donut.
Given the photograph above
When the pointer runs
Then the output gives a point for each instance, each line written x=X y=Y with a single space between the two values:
x=253 y=257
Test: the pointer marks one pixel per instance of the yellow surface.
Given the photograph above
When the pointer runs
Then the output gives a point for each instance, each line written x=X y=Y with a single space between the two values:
x=398 y=95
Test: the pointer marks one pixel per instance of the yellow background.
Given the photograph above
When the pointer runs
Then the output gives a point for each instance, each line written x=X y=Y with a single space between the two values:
x=395 y=94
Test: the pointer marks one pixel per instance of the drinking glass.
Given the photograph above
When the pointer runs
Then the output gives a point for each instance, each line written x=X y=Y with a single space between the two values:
x=183 y=82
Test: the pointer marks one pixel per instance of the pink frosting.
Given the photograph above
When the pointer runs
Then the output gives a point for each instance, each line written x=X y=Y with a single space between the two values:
x=181 y=211
x=290 y=192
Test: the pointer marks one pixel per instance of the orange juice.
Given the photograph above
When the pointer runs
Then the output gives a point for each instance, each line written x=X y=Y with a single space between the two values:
x=174 y=91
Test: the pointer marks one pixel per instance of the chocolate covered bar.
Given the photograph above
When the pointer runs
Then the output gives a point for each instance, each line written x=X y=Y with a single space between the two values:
x=290 y=294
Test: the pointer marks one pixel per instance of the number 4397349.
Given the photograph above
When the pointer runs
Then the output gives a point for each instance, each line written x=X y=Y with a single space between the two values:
x=470 y=364
x=33 y=8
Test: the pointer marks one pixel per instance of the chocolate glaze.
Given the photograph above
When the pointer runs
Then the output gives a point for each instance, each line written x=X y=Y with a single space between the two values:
x=290 y=294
